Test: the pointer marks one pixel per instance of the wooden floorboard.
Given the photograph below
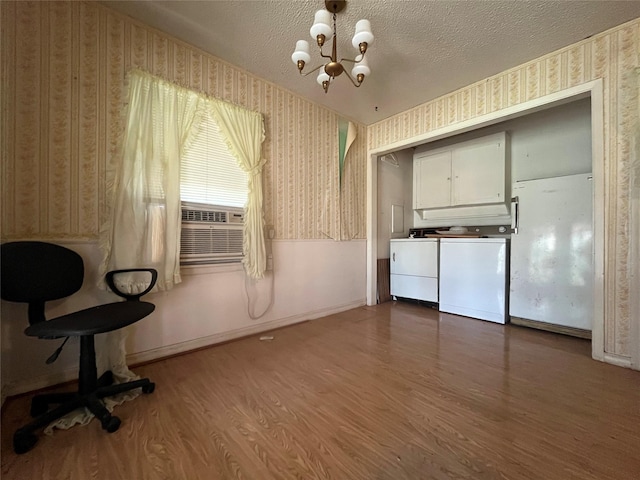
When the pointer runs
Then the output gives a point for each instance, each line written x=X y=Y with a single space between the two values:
x=396 y=391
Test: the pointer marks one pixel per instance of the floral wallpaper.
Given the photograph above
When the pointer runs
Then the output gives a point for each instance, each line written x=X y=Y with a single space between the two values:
x=63 y=96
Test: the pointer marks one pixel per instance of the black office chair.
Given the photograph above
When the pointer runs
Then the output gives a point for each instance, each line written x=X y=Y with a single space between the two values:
x=37 y=272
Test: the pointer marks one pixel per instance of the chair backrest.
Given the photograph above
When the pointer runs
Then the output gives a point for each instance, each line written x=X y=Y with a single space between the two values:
x=36 y=272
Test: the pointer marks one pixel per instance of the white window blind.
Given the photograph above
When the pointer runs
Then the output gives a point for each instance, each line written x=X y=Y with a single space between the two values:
x=209 y=172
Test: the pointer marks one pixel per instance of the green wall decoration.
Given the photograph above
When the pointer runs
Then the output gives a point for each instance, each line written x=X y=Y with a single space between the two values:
x=346 y=135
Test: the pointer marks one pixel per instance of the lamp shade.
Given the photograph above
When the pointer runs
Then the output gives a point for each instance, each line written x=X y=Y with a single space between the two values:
x=323 y=76
x=301 y=52
x=322 y=25
x=361 y=67
x=363 y=34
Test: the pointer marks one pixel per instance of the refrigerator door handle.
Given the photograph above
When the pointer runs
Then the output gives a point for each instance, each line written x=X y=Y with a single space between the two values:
x=394 y=256
x=515 y=214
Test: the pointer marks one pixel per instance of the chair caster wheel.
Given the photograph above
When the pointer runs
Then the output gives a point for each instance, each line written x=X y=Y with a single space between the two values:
x=148 y=388
x=38 y=407
x=111 y=424
x=23 y=441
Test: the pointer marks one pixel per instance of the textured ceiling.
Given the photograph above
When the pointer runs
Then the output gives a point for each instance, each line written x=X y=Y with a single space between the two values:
x=422 y=49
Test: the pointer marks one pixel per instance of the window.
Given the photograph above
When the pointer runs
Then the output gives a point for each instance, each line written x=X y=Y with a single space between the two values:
x=146 y=187
x=213 y=192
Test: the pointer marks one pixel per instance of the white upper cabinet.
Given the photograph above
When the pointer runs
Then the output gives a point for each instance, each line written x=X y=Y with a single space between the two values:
x=478 y=172
x=464 y=174
x=432 y=181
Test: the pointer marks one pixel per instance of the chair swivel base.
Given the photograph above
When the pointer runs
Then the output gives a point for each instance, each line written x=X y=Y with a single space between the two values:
x=84 y=324
x=24 y=438
x=39 y=272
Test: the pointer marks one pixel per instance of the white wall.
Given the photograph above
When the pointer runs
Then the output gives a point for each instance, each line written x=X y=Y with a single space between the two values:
x=549 y=143
x=313 y=278
x=395 y=186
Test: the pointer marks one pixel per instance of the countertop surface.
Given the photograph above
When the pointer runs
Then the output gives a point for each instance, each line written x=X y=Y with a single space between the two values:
x=417 y=239
x=452 y=235
x=474 y=240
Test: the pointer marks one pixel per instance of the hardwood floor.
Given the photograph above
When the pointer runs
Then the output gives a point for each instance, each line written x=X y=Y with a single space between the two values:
x=397 y=391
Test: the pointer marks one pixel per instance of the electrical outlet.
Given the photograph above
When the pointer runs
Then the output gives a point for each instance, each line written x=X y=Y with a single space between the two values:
x=269 y=263
x=271 y=232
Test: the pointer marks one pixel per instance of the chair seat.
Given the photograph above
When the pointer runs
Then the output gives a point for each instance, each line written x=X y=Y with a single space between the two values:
x=91 y=321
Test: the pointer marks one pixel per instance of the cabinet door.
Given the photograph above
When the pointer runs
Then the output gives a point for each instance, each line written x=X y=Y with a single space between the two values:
x=414 y=257
x=432 y=181
x=478 y=172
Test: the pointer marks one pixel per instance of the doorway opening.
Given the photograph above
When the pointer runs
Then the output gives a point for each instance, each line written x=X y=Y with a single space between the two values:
x=594 y=90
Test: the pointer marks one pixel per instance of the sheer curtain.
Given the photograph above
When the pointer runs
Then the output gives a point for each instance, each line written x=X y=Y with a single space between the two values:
x=145 y=221
x=144 y=227
x=244 y=133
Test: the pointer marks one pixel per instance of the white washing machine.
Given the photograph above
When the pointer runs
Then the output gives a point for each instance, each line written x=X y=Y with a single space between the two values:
x=473 y=277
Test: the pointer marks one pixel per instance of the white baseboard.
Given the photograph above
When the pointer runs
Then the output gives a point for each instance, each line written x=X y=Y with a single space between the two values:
x=68 y=375
x=166 y=351
x=617 y=360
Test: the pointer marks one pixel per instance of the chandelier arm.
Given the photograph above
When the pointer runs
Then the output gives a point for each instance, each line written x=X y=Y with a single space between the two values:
x=310 y=72
x=349 y=60
x=349 y=77
x=325 y=56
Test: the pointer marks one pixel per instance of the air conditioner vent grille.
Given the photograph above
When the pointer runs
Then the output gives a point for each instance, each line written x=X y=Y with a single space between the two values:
x=208 y=216
x=211 y=241
x=210 y=235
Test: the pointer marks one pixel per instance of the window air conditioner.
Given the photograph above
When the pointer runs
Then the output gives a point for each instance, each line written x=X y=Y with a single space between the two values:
x=211 y=234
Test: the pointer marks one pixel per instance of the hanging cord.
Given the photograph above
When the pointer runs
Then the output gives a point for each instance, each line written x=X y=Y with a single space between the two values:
x=269 y=235
x=251 y=314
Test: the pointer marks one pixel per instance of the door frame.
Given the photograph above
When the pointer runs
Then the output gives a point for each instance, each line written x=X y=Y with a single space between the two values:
x=593 y=89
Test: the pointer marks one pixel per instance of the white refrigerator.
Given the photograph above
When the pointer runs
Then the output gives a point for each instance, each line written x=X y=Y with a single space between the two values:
x=552 y=251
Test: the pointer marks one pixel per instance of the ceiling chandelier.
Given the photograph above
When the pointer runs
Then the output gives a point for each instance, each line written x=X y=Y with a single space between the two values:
x=321 y=32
